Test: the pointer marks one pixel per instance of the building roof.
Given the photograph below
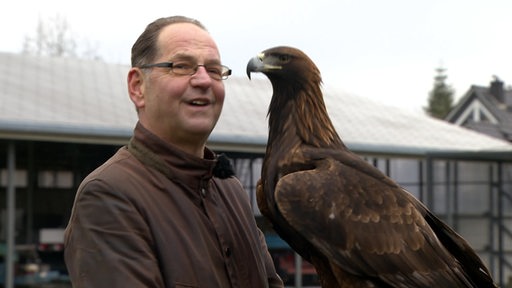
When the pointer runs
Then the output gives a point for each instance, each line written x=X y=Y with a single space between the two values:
x=496 y=115
x=84 y=101
x=44 y=98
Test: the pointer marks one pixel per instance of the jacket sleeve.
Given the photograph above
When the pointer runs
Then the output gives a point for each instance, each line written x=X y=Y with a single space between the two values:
x=107 y=243
x=274 y=281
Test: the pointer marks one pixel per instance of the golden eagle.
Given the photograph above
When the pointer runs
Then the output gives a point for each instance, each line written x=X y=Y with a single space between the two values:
x=353 y=223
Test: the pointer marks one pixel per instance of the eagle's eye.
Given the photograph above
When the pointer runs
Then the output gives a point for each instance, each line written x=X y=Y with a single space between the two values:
x=284 y=57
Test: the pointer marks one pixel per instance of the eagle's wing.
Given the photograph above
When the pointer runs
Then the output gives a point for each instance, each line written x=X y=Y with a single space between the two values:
x=365 y=224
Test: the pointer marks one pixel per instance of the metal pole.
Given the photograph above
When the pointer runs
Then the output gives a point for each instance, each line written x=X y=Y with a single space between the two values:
x=430 y=183
x=11 y=208
x=501 y=225
x=30 y=194
x=449 y=195
x=455 y=197
x=492 y=216
x=421 y=182
x=298 y=271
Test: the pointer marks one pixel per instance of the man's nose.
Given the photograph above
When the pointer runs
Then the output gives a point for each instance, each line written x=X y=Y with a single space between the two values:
x=201 y=75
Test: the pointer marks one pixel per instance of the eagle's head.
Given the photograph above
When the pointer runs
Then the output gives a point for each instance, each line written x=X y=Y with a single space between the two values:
x=286 y=65
x=297 y=97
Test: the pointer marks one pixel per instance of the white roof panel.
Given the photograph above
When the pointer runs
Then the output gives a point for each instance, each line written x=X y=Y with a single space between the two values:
x=80 y=100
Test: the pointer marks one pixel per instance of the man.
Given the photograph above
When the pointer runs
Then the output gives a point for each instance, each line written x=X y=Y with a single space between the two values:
x=160 y=212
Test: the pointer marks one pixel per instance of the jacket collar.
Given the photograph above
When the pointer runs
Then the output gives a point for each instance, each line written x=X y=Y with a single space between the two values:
x=170 y=160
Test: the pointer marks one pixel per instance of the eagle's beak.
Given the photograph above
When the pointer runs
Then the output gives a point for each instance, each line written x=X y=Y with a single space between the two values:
x=255 y=65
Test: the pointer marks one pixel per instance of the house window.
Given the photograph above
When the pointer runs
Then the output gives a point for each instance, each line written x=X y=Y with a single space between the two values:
x=476 y=112
x=55 y=179
x=20 y=178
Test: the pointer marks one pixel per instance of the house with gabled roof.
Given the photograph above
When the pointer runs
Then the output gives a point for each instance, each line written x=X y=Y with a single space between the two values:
x=61 y=118
x=487 y=110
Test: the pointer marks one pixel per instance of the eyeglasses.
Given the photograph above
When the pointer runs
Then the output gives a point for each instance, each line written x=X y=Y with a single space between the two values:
x=216 y=71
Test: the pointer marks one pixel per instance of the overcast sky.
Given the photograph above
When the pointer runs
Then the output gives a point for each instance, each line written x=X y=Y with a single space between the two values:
x=384 y=50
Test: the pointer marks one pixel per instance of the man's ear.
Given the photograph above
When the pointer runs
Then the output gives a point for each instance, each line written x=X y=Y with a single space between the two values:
x=136 y=87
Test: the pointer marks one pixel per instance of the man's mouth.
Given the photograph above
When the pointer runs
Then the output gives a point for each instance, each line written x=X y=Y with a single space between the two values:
x=200 y=102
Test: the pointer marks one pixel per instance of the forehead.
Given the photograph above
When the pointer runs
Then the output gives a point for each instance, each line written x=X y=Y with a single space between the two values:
x=187 y=39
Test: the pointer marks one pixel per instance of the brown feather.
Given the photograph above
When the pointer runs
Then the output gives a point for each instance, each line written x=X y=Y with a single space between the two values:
x=353 y=223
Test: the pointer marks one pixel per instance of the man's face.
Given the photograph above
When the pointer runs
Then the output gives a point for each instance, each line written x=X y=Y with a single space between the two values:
x=182 y=109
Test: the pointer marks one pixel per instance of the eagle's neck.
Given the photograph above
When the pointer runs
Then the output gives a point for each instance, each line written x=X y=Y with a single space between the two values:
x=296 y=118
x=300 y=112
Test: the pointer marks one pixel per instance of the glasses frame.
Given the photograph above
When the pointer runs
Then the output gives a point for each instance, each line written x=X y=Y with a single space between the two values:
x=225 y=73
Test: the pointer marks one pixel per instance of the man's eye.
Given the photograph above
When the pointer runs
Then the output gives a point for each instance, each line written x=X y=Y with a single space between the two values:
x=182 y=66
x=215 y=70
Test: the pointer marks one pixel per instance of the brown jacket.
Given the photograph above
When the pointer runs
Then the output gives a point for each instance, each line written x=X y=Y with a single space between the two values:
x=164 y=222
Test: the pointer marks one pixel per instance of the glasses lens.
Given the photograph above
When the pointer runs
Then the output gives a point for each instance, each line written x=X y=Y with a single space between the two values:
x=217 y=72
x=182 y=68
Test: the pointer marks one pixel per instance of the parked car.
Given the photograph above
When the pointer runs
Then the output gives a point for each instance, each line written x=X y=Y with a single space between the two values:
x=29 y=270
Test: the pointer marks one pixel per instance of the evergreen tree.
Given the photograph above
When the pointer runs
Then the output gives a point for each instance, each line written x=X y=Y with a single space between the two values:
x=440 y=100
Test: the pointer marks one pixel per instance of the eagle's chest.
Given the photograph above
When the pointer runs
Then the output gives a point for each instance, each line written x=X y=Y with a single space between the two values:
x=282 y=157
